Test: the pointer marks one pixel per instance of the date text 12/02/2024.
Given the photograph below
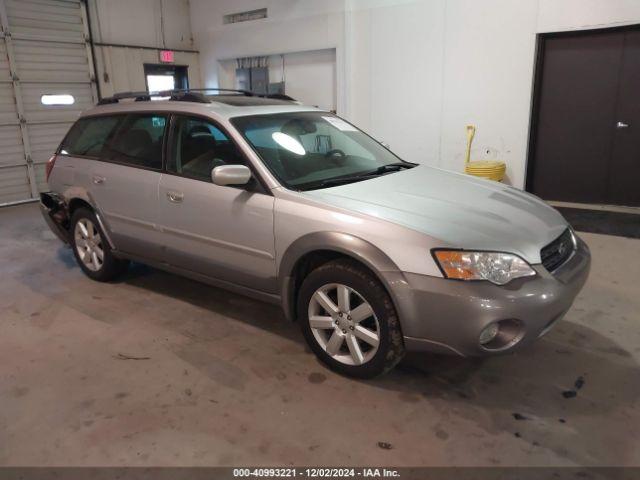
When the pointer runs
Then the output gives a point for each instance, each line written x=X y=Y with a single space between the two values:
x=316 y=473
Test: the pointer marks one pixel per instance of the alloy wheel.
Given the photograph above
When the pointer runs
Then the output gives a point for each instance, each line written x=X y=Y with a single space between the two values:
x=344 y=324
x=88 y=244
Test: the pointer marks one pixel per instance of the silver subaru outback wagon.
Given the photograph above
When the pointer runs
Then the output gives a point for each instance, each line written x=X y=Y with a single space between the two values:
x=370 y=254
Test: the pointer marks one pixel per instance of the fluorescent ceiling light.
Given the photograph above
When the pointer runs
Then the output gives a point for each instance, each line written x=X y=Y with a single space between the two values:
x=57 y=99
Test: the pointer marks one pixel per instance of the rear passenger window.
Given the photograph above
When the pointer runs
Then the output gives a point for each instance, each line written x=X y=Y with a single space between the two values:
x=89 y=135
x=138 y=141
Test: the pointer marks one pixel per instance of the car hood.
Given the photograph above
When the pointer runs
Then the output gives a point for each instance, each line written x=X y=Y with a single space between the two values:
x=455 y=209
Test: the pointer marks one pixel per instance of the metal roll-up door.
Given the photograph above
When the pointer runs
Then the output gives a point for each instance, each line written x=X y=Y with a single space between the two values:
x=14 y=184
x=44 y=51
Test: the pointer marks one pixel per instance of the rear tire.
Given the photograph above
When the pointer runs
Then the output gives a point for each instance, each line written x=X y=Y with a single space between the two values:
x=349 y=321
x=91 y=248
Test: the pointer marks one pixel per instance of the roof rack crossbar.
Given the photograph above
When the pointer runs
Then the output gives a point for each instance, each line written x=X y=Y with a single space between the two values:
x=115 y=98
x=230 y=90
x=186 y=95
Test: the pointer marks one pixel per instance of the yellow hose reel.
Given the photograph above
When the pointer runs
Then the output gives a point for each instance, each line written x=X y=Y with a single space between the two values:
x=491 y=169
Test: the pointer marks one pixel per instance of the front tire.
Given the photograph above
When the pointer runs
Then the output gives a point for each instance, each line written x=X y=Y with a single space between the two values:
x=91 y=248
x=349 y=320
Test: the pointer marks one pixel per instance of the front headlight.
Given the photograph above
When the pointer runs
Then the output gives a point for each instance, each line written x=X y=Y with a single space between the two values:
x=498 y=268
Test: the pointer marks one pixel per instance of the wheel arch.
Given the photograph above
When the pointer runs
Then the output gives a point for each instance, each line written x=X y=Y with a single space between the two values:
x=82 y=201
x=76 y=203
x=313 y=250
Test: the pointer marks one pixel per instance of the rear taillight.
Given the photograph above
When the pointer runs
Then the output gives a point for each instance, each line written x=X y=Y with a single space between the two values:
x=49 y=167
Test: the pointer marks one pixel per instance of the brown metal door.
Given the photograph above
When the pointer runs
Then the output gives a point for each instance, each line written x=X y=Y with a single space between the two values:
x=624 y=174
x=588 y=82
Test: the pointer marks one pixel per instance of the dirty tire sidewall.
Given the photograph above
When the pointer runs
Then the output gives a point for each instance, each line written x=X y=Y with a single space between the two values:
x=351 y=273
x=111 y=267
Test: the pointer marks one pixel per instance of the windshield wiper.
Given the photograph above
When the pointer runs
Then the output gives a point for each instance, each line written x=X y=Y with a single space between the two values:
x=393 y=167
x=332 y=182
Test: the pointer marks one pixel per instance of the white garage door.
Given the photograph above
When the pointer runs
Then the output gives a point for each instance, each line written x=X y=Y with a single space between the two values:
x=44 y=50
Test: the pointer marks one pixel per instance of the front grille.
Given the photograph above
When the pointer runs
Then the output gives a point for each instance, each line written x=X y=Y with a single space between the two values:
x=558 y=251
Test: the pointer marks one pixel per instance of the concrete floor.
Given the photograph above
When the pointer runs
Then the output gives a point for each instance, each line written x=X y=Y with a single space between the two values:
x=229 y=382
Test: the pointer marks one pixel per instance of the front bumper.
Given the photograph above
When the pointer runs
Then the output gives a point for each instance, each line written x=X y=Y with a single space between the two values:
x=447 y=316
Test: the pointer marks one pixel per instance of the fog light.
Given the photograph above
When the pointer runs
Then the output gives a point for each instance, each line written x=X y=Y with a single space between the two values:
x=489 y=333
x=501 y=335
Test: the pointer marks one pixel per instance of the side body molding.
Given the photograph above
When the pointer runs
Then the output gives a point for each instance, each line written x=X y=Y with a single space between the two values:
x=357 y=248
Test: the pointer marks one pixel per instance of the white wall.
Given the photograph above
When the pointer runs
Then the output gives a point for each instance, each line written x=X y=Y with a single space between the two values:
x=489 y=49
x=156 y=24
x=149 y=23
x=309 y=77
x=293 y=26
x=563 y=15
x=125 y=68
x=414 y=72
x=395 y=74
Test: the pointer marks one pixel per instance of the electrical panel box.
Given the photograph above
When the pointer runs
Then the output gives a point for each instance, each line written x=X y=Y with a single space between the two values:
x=254 y=79
x=243 y=79
x=259 y=79
x=276 y=88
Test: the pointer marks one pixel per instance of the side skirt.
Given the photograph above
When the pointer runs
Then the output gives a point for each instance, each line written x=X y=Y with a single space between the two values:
x=214 y=282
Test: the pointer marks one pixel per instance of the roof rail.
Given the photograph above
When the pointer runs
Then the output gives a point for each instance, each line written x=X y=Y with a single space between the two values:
x=186 y=95
x=139 y=96
x=246 y=93
x=183 y=95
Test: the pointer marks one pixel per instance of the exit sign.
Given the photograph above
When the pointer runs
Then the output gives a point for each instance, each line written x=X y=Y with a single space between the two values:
x=167 y=56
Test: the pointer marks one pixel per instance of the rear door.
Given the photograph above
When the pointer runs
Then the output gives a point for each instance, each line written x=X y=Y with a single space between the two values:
x=222 y=232
x=121 y=173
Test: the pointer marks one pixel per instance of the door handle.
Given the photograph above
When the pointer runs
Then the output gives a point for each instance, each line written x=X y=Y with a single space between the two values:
x=97 y=179
x=175 y=197
x=622 y=125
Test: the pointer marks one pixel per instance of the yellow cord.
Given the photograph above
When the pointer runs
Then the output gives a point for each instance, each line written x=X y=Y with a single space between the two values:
x=471 y=132
x=491 y=169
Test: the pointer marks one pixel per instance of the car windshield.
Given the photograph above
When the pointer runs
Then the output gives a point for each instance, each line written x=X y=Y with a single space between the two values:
x=311 y=150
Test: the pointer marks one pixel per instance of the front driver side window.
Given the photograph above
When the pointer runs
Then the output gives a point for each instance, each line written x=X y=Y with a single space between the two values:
x=198 y=147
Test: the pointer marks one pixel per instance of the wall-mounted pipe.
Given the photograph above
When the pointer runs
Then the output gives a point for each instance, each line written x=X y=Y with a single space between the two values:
x=93 y=50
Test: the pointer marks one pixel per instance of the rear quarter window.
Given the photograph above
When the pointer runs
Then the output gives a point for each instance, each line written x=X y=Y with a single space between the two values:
x=88 y=136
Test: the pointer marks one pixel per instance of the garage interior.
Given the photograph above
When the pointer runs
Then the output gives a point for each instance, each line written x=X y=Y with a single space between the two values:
x=158 y=370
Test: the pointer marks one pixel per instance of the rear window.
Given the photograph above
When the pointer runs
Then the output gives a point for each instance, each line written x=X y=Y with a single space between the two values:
x=133 y=139
x=138 y=141
x=89 y=135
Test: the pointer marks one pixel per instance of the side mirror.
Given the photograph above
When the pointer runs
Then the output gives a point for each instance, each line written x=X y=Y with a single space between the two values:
x=231 y=175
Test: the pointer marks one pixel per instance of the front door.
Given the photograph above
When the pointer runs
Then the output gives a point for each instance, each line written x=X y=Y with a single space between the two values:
x=223 y=232
x=587 y=129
